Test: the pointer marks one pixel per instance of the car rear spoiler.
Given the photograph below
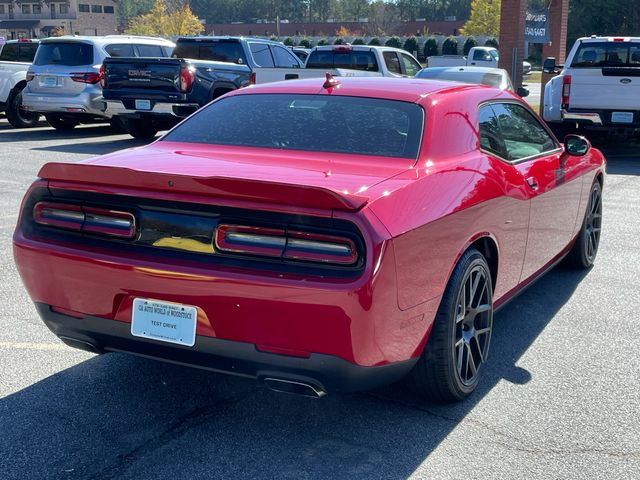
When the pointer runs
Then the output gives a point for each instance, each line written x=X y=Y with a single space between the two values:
x=220 y=187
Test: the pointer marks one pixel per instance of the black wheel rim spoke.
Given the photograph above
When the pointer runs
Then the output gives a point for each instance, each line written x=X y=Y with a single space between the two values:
x=593 y=224
x=474 y=318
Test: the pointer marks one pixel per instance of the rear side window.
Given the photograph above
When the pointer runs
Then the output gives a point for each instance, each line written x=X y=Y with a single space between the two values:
x=10 y=53
x=336 y=124
x=64 y=53
x=230 y=52
x=261 y=54
x=151 y=51
x=392 y=62
x=355 y=59
x=120 y=50
x=607 y=54
x=284 y=58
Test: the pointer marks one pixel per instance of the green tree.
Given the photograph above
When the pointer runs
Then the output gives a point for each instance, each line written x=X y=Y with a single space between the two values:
x=469 y=43
x=306 y=43
x=491 y=42
x=374 y=41
x=358 y=41
x=393 y=42
x=484 y=18
x=430 y=48
x=128 y=9
x=411 y=45
x=450 y=46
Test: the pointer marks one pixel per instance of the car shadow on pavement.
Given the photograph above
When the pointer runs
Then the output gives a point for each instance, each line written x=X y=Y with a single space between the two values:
x=96 y=148
x=119 y=416
x=46 y=134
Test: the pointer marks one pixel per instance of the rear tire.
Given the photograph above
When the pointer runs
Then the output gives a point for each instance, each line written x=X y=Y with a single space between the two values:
x=140 y=128
x=584 y=251
x=450 y=366
x=117 y=125
x=17 y=116
x=61 y=123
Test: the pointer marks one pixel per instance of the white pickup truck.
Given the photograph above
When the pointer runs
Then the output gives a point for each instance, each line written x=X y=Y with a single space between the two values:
x=347 y=61
x=15 y=58
x=598 y=87
x=478 y=57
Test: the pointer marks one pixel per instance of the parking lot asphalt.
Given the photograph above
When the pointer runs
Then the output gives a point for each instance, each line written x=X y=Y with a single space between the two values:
x=560 y=397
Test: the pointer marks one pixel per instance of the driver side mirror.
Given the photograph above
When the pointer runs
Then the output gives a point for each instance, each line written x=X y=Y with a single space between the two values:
x=549 y=65
x=522 y=92
x=576 y=145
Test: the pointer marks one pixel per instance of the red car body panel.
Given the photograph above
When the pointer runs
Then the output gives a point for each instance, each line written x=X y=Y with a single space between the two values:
x=416 y=220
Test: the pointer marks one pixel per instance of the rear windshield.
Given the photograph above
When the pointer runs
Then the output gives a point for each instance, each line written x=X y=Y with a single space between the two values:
x=319 y=123
x=607 y=54
x=356 y=60
x=64 y=53
x=19 y=52
x=230 y=52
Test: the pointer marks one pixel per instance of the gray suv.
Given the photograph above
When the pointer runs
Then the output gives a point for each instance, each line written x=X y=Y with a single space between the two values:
x=64 y=81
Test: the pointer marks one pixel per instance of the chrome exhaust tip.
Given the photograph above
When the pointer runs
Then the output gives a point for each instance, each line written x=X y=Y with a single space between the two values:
x=294 y=387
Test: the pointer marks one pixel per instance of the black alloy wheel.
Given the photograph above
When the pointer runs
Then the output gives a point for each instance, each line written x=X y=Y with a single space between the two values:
x=453 y=359
x=17 y=116
x=583 y=253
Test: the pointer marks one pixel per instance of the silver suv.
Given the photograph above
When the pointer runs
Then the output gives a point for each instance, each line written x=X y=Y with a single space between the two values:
x=64 y=81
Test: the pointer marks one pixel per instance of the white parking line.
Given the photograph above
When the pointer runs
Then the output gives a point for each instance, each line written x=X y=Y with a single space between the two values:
x=34 y=346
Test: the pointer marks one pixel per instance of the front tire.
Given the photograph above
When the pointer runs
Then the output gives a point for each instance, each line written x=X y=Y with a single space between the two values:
x=17 y=116
x=452 y=361
x=140 y=128
x=584 y=251
x=61 y=123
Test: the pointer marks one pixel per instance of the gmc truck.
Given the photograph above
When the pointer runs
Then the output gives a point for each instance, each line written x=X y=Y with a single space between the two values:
x=151 y=94
x=598 y=87
x=15 y=58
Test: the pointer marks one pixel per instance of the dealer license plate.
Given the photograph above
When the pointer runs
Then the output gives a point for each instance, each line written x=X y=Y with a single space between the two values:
x=143 y=104
x=622 y=117
x=163 y=321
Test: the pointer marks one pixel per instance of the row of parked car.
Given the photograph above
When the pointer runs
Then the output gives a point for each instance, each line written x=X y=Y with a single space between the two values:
x=145 y=84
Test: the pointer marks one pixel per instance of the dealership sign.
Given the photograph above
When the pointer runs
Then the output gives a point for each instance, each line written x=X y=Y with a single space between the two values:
x=536 y=28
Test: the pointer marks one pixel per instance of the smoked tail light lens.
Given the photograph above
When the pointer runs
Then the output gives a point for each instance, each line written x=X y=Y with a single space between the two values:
x=287 y=244
x=187 y=78
x=85 y=219
x=566 y=90
x=85 y=77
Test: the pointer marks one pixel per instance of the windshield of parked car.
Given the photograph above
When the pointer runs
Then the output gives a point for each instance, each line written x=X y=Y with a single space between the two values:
x=69 y=54
x=607 y=54
x=319 y=123
x=352 y=59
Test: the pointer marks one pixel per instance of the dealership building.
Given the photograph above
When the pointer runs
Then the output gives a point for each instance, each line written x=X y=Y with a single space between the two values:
x=38 y=19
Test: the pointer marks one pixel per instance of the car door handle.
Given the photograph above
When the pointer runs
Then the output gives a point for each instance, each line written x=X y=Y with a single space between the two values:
x=533 y=183
x=473 y=63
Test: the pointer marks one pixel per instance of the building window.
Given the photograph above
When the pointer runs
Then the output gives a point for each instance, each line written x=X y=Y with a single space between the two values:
x=64 y=8
x=83 y=7
x=26 y=9
x=108 y=9
x=96 y=8
x=37 y=9
x=1 y=9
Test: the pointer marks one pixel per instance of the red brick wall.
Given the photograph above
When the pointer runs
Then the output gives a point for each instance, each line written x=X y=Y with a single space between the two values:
x=512 y=22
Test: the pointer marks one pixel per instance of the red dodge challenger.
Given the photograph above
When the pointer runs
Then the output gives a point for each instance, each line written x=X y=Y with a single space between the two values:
x=315 y=235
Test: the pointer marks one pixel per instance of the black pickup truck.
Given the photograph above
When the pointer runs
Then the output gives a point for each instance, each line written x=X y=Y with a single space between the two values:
x=151 y=94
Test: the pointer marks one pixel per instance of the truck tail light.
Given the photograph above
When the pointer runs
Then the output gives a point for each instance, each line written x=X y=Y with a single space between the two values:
x=281 y=243
x=102 y=80
x=342 y=48
x=85 y=77
x=30 y=76
x=187 y=78
x=252 y=78
x=85 y=219
x=566 y=90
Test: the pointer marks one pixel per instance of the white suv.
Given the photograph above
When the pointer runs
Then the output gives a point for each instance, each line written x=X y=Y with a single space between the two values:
x=598 y=87
x=64 y=81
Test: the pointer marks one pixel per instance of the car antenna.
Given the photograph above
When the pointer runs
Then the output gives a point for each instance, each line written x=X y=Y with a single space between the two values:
x=330 y=82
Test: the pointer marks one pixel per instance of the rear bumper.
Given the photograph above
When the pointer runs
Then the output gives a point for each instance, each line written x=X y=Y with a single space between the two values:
x=601 y=118
x=327 y=372
x=177 y=110
x=85 y=103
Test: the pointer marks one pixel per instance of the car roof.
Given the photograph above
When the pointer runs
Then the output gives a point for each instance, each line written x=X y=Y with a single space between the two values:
x=358 y=48
x=108 y=39
x=404 y=89
x=594 y=39
x=202 y=38
x=499 y=71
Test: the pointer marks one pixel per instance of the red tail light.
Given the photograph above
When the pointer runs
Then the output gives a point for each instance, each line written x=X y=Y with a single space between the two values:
x=280 y=243
x=85 y=77
x=252 y=78
x=30 y=76
x=566 y=90
x=102 y=80
x=85 y=219
x=187 y=78
x=342 y=48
